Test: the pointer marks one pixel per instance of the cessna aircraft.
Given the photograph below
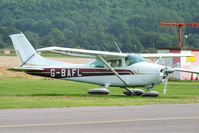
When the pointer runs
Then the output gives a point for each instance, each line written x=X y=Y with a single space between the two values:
x=108 y=69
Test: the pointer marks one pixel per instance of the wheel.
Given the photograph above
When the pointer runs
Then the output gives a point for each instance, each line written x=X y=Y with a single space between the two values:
x=134 y=92
x=150 y=94
x=99 y=91
x=137 y=92
x=128 y=93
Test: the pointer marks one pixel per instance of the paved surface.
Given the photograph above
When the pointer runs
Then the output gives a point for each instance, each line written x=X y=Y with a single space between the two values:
x=128 y=119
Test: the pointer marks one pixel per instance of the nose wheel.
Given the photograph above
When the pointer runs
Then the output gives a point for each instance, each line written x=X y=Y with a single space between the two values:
x=150 y=94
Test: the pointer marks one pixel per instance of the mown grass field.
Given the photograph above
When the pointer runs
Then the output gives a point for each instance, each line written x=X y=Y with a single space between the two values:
x=39 y=93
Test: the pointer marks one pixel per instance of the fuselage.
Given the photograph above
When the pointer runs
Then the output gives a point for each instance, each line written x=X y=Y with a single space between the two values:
x=140 y=74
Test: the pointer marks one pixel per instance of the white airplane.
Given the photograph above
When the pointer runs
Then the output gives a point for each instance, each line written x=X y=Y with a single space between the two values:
x=108 y=69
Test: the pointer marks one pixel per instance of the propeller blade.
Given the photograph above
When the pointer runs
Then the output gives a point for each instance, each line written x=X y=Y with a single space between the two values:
x=165 y=84
x=175 y=65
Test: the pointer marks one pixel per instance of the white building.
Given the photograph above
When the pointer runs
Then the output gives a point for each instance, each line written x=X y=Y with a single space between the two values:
x=182 y=62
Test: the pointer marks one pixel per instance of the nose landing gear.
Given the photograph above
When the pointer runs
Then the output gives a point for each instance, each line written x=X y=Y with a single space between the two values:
x=150 y=93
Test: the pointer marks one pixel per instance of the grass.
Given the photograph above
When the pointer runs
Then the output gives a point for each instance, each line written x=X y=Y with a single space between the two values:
x=38 y=93
x=7 y=54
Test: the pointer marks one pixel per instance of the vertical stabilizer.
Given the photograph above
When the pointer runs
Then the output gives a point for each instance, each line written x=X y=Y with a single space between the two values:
x=23 y=48
x=27 y=55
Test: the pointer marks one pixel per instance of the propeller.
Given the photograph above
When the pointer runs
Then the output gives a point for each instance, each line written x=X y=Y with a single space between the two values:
x=167 y=71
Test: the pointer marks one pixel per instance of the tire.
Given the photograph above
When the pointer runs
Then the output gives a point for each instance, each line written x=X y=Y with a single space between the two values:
x=135 y=92
x=98 y=91
x=150 y=94
x=128 y=93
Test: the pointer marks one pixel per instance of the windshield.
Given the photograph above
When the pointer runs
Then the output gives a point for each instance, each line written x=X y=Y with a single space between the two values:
x=133 y=58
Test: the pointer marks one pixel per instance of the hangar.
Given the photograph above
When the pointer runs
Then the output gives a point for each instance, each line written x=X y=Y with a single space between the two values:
x=182 y=62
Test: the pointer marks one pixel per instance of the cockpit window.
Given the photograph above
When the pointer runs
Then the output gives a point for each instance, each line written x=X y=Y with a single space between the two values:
x=133 y=58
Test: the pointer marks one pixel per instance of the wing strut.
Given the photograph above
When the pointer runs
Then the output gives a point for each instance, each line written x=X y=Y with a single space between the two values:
x=120 y=77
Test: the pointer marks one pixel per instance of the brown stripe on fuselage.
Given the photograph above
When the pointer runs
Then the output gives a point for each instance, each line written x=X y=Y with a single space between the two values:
x=76 y=72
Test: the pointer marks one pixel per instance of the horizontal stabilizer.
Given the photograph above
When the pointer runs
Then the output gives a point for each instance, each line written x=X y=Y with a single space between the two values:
x=20 y=69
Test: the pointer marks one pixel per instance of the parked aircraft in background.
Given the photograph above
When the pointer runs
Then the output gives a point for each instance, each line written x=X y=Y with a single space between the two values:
x=108 y=69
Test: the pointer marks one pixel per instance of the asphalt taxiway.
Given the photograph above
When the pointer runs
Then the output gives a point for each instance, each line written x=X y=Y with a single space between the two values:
x=177 y=118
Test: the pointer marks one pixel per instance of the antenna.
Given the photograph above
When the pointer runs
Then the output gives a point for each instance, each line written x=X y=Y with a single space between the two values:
x=179 y=24
x=102 y=46
x=117 y=47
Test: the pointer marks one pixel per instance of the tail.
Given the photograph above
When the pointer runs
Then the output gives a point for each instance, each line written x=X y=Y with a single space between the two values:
x=27 y=55
x=23 y=48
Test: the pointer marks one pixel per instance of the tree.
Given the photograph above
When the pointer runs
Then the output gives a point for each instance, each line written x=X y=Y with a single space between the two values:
x=54 y=38
x=130 y=43
x=1 y=42
x=33 y=38
x=91 y=24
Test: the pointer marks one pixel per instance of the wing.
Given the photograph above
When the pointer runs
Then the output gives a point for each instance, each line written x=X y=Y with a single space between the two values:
x=186 y=70
x=82 y=52
x=164 y=55
x=105 y=54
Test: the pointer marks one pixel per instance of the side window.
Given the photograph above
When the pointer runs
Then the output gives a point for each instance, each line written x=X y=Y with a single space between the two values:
x=128 y=63
x=112 y=63
x=97 y=63
x=115 y=63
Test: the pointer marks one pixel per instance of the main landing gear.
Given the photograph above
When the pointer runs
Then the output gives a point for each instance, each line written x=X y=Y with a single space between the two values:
x=128 y=92
x=139 y=92
x=100 y=91
x=133 y=92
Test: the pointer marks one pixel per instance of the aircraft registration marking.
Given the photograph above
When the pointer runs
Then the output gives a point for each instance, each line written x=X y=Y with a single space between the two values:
x=66 y=73
x=77 y=72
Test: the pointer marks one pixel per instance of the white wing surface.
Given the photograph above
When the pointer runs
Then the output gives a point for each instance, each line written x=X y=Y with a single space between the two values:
x=95 y=53
x=165 y=55
x=186 y=70
x=82 y=52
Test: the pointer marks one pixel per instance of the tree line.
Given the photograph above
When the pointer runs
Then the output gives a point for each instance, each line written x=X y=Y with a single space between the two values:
x=93 y=24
